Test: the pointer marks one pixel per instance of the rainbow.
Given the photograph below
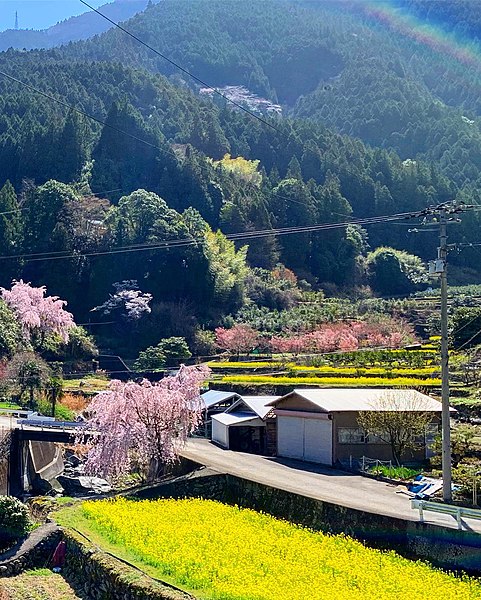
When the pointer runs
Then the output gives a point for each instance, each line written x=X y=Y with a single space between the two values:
x=465 y=52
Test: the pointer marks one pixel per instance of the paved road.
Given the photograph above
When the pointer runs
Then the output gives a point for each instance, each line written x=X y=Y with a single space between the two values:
x=315 y=481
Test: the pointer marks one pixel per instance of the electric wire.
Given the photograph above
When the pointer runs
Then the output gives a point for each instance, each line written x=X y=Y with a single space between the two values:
x=193 y=241
x=182 y=69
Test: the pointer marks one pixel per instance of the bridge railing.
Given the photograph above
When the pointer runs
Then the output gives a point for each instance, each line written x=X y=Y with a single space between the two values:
x=49 y=424
x=18 y=413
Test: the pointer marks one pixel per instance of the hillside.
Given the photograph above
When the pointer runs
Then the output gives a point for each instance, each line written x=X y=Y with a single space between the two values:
x=342 y=63
x=204 y=166
x=76 y=28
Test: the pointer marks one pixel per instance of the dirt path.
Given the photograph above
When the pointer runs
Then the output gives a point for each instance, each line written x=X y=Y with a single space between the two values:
x=36 y=585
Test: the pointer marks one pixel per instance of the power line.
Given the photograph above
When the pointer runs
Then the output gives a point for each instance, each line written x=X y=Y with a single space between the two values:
x=185 y=71
x=104 y=123
x=192 y=241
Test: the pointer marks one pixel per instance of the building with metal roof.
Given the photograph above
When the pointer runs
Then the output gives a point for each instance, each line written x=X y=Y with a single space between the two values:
x=321 y=425
x=245 y=426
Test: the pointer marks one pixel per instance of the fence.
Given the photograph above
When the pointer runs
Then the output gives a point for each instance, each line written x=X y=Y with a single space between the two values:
x=366 y=464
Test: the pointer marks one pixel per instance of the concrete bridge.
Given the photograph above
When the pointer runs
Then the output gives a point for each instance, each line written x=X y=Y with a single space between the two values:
x=29 y=451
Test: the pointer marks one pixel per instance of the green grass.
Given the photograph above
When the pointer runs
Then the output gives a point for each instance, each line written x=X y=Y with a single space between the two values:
x=402 y=473
x=9 y=406
x=39 y=584
x=73 y=517
x=88 y=384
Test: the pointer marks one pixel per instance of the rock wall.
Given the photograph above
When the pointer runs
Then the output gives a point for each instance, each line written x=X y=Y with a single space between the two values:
x=442 y=546
x=5 y=444
x=97 y=575
x=32 y=553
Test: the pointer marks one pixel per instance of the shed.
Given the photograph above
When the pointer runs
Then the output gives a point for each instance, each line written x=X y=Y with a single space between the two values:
x=215 y=402
x=217 y=399
x=244 y=426
x=321 y=425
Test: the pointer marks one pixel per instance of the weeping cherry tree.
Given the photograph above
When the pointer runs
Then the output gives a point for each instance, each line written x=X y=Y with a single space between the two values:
x=143 y=426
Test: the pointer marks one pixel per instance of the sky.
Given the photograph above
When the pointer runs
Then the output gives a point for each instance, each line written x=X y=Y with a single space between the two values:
x=39 y=14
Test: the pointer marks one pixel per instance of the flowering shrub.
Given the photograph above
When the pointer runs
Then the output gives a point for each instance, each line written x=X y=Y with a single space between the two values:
x=231 y=553
x=38 y=315
x=140 y=424
x=238 y=339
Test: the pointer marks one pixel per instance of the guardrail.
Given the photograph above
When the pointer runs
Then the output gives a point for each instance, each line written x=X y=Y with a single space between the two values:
x=42 y=425
x=447 y=509
x=19 y=413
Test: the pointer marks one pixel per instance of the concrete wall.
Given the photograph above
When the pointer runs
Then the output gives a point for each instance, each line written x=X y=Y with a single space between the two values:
x=32 y=462
x=444 y=547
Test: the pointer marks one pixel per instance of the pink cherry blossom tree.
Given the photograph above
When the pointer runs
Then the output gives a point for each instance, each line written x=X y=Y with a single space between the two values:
x=143 y=425
x=39 y=315
x=240 y=339
x=347 y=337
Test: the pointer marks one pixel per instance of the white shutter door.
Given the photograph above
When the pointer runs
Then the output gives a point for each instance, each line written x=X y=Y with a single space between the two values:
x=220 y=433
x=290 y=437
x=318 y=441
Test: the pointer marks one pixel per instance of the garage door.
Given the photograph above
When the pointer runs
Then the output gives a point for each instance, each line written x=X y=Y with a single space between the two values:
x=290 y=437
x=305 y=439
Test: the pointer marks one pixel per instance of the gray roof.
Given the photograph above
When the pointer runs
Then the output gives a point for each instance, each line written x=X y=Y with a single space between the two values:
x=235 y=418
x=357 y=399
x=260 y=405
x=214 y=397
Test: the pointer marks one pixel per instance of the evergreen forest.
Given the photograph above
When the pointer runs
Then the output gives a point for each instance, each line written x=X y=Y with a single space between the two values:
x=116 y=166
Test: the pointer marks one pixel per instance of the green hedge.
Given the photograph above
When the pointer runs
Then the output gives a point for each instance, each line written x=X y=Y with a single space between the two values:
x=334 y=381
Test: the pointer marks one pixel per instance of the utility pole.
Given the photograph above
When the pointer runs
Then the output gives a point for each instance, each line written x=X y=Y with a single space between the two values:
x=439 y=267
x=16 y=20
x=446 y=417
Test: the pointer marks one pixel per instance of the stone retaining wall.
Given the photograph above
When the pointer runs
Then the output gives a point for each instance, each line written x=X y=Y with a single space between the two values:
x=99 y=576
x=33 y=553
x=442 y=546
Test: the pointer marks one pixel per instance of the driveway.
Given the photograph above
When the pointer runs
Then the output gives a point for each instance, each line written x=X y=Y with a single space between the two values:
x=315 y=481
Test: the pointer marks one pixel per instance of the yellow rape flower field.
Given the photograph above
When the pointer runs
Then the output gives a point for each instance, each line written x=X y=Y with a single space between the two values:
x=230 y=553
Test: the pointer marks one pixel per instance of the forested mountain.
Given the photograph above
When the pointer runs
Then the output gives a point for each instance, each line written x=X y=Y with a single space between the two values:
x=76 y=28
x=462 y=17
x=160 y=163
x=344 y=63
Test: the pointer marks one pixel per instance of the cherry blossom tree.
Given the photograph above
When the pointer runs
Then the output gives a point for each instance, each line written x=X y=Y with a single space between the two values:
x=388 y=333
x=238 y=339
x=39 y=315
x=143 y=425
x=127 y=301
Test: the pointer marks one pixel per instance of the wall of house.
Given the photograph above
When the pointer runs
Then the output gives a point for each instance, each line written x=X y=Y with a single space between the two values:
x=381 y=451
x=271 y=437
x=295 y=402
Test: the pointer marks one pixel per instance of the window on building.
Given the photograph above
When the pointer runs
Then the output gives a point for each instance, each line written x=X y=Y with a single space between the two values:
x=351 y=435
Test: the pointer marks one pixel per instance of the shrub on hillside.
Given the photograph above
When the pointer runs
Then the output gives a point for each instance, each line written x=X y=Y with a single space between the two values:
x=15 y=521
